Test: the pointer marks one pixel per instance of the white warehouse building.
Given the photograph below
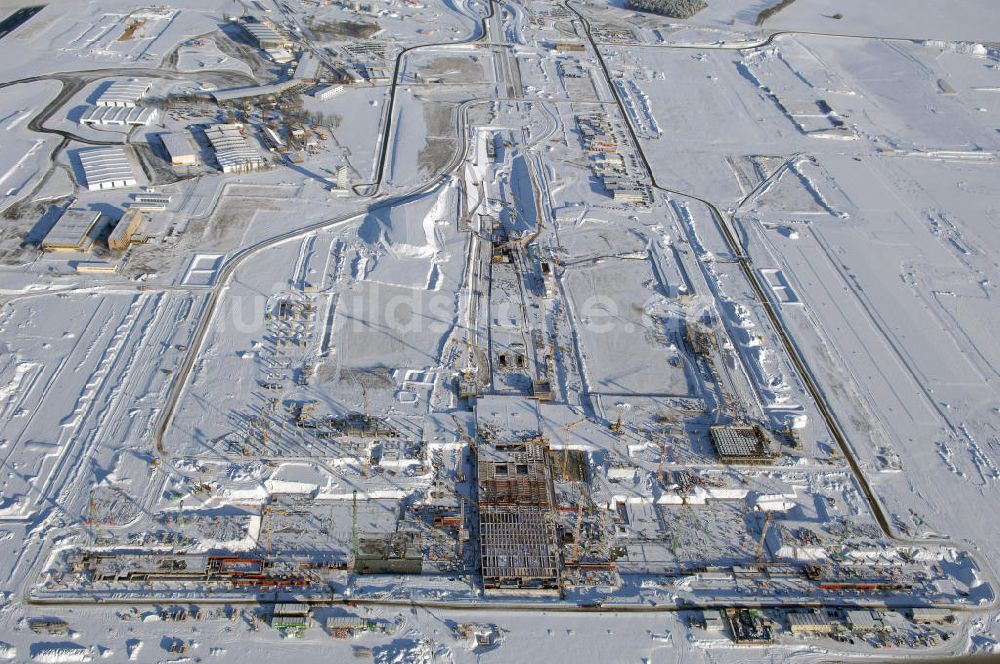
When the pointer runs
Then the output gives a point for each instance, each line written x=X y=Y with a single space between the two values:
x=233 y=151
x=112 y=116
x=328 y=92
x=106 y=168
x=125 y=93
x=179 y=148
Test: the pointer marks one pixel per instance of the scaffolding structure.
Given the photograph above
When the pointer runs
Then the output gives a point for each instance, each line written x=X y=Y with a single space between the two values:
x=741 y=444
x=517 y=536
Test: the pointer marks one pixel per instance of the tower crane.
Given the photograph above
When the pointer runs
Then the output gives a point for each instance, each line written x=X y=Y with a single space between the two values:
x=565 y=459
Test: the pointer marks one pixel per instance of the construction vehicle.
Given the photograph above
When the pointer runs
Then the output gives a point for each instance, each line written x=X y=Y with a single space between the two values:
x=618 y=425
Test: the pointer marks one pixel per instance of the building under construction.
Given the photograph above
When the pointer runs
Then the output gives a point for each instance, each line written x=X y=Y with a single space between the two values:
x=391 y=553
x=517 y=535
x=250 y=572
x=741 y=444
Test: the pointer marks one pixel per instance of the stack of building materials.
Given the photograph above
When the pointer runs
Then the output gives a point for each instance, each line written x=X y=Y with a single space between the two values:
x=51 y=626
x=121 y=236
x=391 y=553
x=106 y=168
x=233 y=151
x=749 y=627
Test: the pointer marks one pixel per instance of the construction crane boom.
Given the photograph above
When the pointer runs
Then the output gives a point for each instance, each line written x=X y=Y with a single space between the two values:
x=463 y=434
x=576 y=535
x=354 y=524
x=663 y=456
x=565 y=460
x=763 y=535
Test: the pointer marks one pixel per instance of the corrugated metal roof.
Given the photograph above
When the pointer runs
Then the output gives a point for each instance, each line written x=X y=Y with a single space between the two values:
x=72 y=230
x=808 y=618
x=254 y=91
x=177 y=145
x=111 y=115
x=232 y=150
x=307 y=67
x=861 y=619
x=125 y=92
x=291 y=609
x=350 y=622
x=106 y=167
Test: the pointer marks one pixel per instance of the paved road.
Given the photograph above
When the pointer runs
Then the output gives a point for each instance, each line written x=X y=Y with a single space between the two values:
x=17 y=19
